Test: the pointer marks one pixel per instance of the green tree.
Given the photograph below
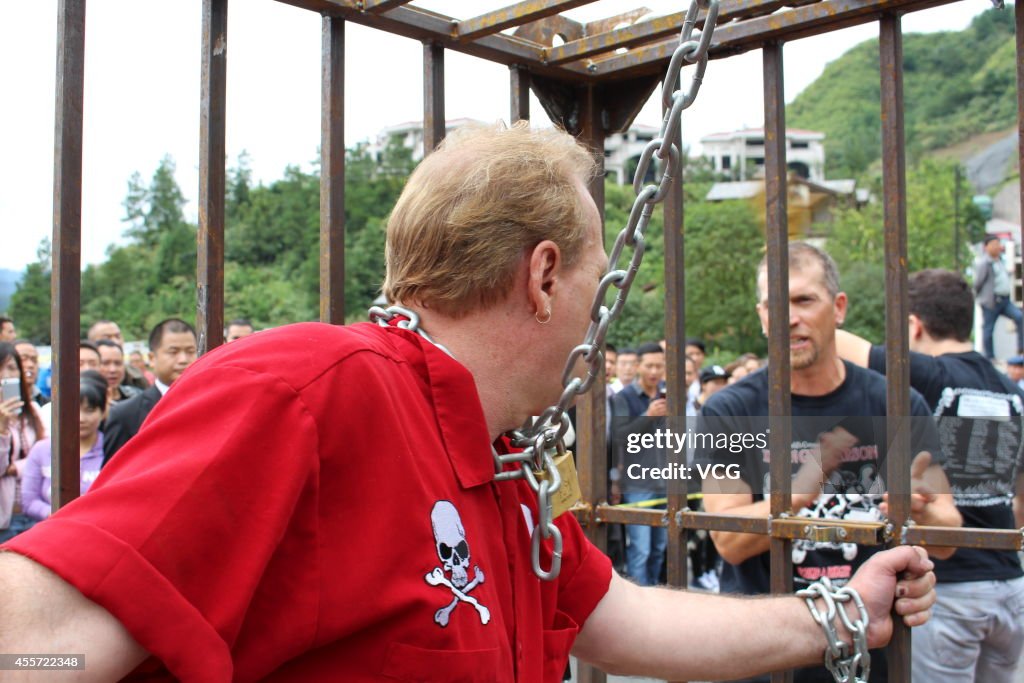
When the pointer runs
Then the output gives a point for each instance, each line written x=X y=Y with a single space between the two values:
x=643 y=318
x=724 y=245
x=956 y=84
x=152 y=276
x=857 y=239
x=239 y=185
x=122 y=289
x=30 y=303
x=154 y=210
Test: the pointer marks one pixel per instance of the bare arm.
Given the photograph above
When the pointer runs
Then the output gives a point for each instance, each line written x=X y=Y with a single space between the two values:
x=735 y=498
x=939 y=508
x=931 y=501
x=680 y=635
x=43 y=614
x=852 y=348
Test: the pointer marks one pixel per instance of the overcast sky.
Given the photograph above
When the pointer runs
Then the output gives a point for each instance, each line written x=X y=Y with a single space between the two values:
x=142 y=95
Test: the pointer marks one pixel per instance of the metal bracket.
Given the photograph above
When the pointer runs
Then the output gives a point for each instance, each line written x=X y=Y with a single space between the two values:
x=903 y=531
x=825 y=534
x=683 y=510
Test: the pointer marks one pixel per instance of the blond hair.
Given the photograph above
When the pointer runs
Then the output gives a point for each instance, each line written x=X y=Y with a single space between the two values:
x=474 y=207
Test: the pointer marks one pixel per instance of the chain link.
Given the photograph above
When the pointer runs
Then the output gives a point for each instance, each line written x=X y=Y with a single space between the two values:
x=546 y=432
x=847 y=664
x=541 y=438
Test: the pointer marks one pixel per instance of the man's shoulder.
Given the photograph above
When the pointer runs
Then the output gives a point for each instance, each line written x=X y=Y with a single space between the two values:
x=971 y=370
x=300 y=353
x=629 y=390
x=128 y=391
x=133 y=404
x=866 y=381
x=971 y=366
x=872 y=387
x=747 y=397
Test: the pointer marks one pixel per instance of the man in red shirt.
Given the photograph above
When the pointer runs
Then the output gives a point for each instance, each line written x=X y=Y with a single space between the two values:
x=318 y=502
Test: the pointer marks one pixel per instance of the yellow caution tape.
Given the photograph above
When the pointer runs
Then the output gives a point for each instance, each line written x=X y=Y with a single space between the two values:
x=654 y=502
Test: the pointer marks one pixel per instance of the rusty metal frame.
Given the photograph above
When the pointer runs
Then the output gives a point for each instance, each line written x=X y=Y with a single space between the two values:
x=593 y=84
x=519 y=96
x=897 y=334
x=212 y=176
x=513 y=15
x=379 y=6
x=1019 y=37
x=65 y=285
x=651 y=30
x=433 y=96
x=777 y=282
x=332 y=172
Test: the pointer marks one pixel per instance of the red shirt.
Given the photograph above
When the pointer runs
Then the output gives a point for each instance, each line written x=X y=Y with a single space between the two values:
x=293 y=510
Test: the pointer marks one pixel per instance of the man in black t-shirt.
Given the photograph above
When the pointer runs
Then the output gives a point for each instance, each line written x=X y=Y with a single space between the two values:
x=839 y=440
x=977 y=627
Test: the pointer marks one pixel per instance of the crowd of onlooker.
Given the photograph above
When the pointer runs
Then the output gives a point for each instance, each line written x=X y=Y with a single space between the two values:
x=636 y=392
x=115 y=396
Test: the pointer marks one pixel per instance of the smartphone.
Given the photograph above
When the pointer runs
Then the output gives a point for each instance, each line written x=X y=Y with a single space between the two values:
x=11 y=388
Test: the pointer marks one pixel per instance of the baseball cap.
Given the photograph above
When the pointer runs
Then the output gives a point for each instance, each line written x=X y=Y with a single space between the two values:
x=713 y=372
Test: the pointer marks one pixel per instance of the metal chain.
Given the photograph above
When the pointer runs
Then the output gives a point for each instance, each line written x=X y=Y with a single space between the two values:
x=541 y=439
x=847 y=664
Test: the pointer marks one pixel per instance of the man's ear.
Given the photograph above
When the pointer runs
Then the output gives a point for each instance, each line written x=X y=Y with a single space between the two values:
x=544 y=265
x=762 y=315
x=841 y=303
x=916 y=326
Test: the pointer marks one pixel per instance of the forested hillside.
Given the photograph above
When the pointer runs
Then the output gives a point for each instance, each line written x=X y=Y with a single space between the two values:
x=956 y=84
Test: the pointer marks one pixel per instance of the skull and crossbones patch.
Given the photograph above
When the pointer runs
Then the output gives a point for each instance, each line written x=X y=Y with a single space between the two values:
x=453 y=574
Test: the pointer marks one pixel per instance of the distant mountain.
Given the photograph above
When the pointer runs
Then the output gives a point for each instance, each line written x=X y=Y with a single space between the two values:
x=956 y=85
x=8 y=283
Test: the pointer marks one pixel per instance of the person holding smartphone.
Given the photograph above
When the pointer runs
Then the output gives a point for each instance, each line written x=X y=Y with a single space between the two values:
x=20 y=428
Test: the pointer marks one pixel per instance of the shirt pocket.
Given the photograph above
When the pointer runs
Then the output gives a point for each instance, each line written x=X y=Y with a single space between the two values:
x=405 y=662
x=558 y=642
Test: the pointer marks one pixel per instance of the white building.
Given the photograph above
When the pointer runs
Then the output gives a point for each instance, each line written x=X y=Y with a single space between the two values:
x=621 y=152
x=410 y=134
x=740 y=153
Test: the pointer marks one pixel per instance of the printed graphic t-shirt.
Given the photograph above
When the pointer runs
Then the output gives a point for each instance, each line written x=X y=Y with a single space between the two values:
x=852 y=492
x=979 y=414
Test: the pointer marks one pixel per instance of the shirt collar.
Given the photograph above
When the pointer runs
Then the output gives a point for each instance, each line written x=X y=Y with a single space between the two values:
x=460 y=417
x=161 y=387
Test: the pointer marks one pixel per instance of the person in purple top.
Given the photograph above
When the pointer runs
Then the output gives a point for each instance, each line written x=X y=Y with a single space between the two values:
x=35 y=482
